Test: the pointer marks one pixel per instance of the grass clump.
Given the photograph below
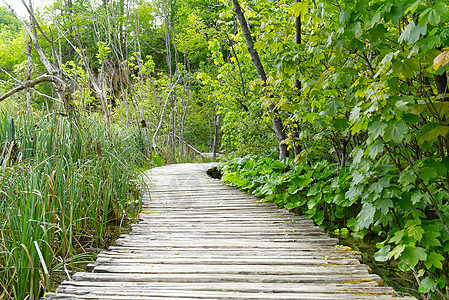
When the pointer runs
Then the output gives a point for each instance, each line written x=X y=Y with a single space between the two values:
x=61 y=184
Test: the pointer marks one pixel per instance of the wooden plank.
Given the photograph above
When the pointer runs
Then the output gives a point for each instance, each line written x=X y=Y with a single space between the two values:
x=176 y=260
x=365 y=287
x=251 y=278
x=231 y=269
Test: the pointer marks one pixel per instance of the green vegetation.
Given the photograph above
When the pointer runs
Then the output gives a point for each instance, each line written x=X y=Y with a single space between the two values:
x=351 y=93
x=62 y=184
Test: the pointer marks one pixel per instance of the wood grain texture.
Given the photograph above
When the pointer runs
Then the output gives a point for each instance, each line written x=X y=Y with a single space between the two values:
x=199 y=239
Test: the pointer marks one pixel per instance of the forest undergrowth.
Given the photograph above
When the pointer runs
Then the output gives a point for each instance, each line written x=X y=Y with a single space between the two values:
x=64 y=185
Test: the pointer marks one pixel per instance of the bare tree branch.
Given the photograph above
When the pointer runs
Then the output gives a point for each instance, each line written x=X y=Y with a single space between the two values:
x=32 y=89
x=32 y=83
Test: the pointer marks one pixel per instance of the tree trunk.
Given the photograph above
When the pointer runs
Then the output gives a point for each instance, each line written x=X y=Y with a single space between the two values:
x=295 y=129
x=277 y=122
x=441 y=83
x=217 y=135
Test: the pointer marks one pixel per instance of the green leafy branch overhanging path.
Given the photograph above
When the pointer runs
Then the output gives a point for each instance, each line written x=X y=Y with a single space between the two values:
x=200 y=239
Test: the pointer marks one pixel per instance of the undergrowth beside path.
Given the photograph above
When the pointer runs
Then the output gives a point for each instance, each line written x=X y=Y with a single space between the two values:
x=61 y=184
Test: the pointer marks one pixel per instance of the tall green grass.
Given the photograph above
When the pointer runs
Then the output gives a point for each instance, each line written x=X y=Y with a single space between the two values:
x=61 y=184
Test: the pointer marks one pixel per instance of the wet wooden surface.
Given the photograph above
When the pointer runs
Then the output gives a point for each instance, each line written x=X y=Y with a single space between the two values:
x=199 y=239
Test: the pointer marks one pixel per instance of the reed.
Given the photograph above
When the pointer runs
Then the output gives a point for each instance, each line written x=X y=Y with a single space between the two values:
x=61 y=184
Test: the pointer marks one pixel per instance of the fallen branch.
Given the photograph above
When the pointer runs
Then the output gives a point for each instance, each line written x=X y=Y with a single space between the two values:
x=190 y=146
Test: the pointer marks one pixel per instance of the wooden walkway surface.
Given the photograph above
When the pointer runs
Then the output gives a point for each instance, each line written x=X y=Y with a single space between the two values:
x=199 y=239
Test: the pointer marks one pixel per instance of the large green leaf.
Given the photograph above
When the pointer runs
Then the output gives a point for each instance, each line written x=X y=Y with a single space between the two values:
x=427 y=173
x=434 y=259
x=429 y=16
x=382 y=254
x=396 y=132
x=378 y=186
x=413 y=255
x=406 y=67
x=376 y=129
x=333 y=105
x=433 y=134
x=375 y=148
x=366 y=216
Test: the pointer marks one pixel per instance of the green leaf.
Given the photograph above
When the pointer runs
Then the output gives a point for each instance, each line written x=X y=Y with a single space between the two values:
x=376 y=129
x=416 y=33
x=429 y=16
x=353 y=192
x=381 y=255
x=357 y=155
x=376 y=18
x=415 y=232
x=314 y=189
x=333 y=105
x=375 y=148
x=427 y=173
x=344 y=16
x=413 y=7
x=405 y=35
x=430 y=236
x=396 y=251
x=434 y=259
x=366 y=216
x=442 y=10
x=427 y=285
x=340 y=124
x=396 y=132
x=416 y=197
x=377 y=187
x=433 y=134
x=406 y=67
x=406 y=177
x=411 y=118
x=300 y=8
x=397 y=237
x=413 y=255
x=357 y=28
x=384 y=205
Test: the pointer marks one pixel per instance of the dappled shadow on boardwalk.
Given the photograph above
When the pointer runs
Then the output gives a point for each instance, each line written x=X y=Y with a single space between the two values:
x=199 y=239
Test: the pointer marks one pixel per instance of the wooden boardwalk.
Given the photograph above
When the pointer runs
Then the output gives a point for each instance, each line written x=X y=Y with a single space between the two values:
x=199 y=239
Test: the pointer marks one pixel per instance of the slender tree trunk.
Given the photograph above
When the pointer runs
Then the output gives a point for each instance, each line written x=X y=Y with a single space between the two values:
x=277 y=122
x=441 y=83
x=295 y=129
x=217 y=135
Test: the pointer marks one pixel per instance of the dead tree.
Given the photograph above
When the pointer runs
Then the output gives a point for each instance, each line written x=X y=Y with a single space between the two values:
x=54 y=69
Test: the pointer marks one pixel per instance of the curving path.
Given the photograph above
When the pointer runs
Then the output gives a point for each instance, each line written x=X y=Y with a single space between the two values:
x=199 y=239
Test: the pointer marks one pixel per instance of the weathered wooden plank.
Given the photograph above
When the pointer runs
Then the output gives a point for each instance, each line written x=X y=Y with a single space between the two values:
x=120 y=260
x=231 y=269
x=285 y=288
x=248 y=278
x=227 y=296
x=220 y=244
